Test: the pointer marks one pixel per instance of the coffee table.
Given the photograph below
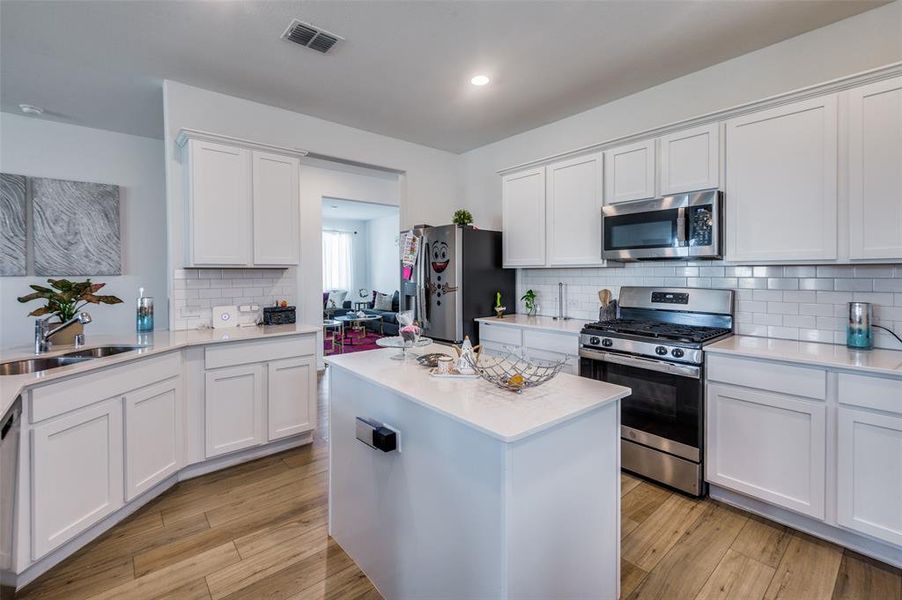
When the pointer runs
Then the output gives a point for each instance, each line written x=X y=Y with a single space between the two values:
x=357 y=324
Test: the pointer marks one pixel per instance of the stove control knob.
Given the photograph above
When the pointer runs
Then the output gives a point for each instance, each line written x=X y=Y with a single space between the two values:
x=594 y=341
x=677 y=352
x=660 y=350
x=607 y=342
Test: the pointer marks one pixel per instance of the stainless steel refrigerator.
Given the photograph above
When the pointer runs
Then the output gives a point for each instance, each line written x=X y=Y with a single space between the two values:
x=454 y=279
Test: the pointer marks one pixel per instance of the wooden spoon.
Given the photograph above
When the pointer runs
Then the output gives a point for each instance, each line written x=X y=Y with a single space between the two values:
x=604 y=296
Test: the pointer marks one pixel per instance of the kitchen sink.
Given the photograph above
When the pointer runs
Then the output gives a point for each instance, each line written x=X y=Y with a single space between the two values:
x=43 y=363
x=100 y=351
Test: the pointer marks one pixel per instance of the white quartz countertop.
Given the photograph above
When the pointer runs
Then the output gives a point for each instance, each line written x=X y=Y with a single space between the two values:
x=503 y=415
x=538 y=322
x=834 y=356
x=160 y=341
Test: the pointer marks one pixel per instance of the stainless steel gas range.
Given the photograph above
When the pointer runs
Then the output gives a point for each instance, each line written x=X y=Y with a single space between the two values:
x=655 y=348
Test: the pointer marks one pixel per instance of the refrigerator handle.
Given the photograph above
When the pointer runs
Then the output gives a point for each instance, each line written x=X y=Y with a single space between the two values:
x=422 y=268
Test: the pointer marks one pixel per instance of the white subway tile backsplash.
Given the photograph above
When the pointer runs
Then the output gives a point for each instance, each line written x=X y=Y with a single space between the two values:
x=794 y=302
x=196 y=291
x=800 y=271
x=768 y=295
x=853 y=285
x=782 y=283
x=815 y=284
x=803 y=296
x=888 y=285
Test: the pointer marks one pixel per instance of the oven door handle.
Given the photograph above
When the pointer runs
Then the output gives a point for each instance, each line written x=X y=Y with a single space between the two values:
x=642 y=363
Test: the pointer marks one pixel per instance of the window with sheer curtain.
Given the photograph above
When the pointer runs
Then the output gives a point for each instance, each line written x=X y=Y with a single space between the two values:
x=337 y=263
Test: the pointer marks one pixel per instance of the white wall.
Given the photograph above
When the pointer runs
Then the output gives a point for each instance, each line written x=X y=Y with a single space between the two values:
x=428 y=190
x=360 y=247
x=42 y=148
x=862 y=42
x=383 y=253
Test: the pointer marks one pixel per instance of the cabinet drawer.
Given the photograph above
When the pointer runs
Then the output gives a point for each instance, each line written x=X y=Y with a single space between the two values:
x=255 y=351
x=561 y=343
x=55 y=399
x=501 y=334
x=881 y=393
x=787 y=379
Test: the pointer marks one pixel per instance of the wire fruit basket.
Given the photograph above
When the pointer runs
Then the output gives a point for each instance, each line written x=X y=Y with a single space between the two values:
x=515 y=372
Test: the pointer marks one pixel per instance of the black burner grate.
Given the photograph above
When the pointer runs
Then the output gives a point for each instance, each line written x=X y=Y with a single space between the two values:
x=658 y=330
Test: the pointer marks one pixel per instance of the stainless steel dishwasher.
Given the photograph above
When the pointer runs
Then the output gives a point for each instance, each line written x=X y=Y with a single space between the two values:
x=9 y=457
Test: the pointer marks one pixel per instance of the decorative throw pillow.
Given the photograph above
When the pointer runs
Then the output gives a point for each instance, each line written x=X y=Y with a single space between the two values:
x=383 y=302
x=336 y=298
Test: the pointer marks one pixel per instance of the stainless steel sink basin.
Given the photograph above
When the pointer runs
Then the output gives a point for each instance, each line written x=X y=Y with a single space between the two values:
x=43 y=363
x=100 y=351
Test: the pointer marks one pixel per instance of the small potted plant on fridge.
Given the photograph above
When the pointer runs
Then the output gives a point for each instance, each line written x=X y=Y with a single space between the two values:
x=463 y=218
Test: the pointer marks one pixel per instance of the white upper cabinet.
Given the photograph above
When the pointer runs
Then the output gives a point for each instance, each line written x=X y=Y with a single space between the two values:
x=243 y=201
x=523 y=218
x=875 y=170
x=690 y=160
x=219 y=205
x=276 y=209
x=574 y=198
x=781 y=183
x=629 y=172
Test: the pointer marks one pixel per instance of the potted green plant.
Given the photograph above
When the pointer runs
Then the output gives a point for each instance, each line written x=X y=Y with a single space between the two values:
x=462 y=218
x=64 y=299
x=529 y=301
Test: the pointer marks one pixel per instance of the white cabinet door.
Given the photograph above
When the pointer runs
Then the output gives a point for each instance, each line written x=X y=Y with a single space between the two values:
x=869 y=477
x=768 y=446
x=76 y=473
x=875 y=170
x=574 y=196
x=276 y=209
x=219 y=204
x=781 y=183
x=523 y=218
x=291 y=396
x=235 y=403
x=629 y=172
x=153 y=435
x=689 y=160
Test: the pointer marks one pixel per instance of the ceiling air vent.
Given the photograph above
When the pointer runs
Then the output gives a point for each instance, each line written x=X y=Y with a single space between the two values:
x=310 y=36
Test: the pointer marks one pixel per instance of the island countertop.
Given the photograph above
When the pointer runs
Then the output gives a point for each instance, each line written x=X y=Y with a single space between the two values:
x=503 y=415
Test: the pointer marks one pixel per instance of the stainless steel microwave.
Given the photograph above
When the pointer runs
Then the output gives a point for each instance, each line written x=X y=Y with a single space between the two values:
x=684 y=226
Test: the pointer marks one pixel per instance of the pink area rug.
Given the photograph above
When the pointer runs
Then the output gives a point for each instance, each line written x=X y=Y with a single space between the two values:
x=354 y=344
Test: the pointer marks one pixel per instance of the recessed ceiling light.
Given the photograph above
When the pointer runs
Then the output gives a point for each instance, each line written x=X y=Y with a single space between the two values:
x=29 y=109
x=480 y=80
x=334 y=206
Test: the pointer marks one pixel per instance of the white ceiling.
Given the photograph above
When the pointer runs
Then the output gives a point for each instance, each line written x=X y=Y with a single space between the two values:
x=404 y=70
x=335 y=208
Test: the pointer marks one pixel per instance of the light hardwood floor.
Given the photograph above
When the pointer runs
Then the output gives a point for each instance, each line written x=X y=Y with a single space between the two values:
x=258 y=531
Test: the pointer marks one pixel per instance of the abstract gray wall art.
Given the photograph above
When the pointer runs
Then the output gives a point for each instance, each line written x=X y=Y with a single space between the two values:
x=12 y=225
x=76 y=228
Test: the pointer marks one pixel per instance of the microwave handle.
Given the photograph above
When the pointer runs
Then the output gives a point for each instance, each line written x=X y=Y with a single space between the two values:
x=682 y=227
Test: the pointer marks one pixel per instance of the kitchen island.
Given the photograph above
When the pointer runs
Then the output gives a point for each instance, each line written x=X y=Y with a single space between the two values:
x=489 y=494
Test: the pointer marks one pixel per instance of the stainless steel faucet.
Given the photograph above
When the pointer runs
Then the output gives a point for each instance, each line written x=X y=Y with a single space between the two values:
x=43 y=333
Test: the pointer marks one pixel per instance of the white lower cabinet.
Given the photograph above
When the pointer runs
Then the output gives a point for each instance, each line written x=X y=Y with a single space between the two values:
x=76 y=473
x=769 y=446
x=153 y=435
x=869 y=473
x=541 y=344
x=291 y=388
x=235 y=408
